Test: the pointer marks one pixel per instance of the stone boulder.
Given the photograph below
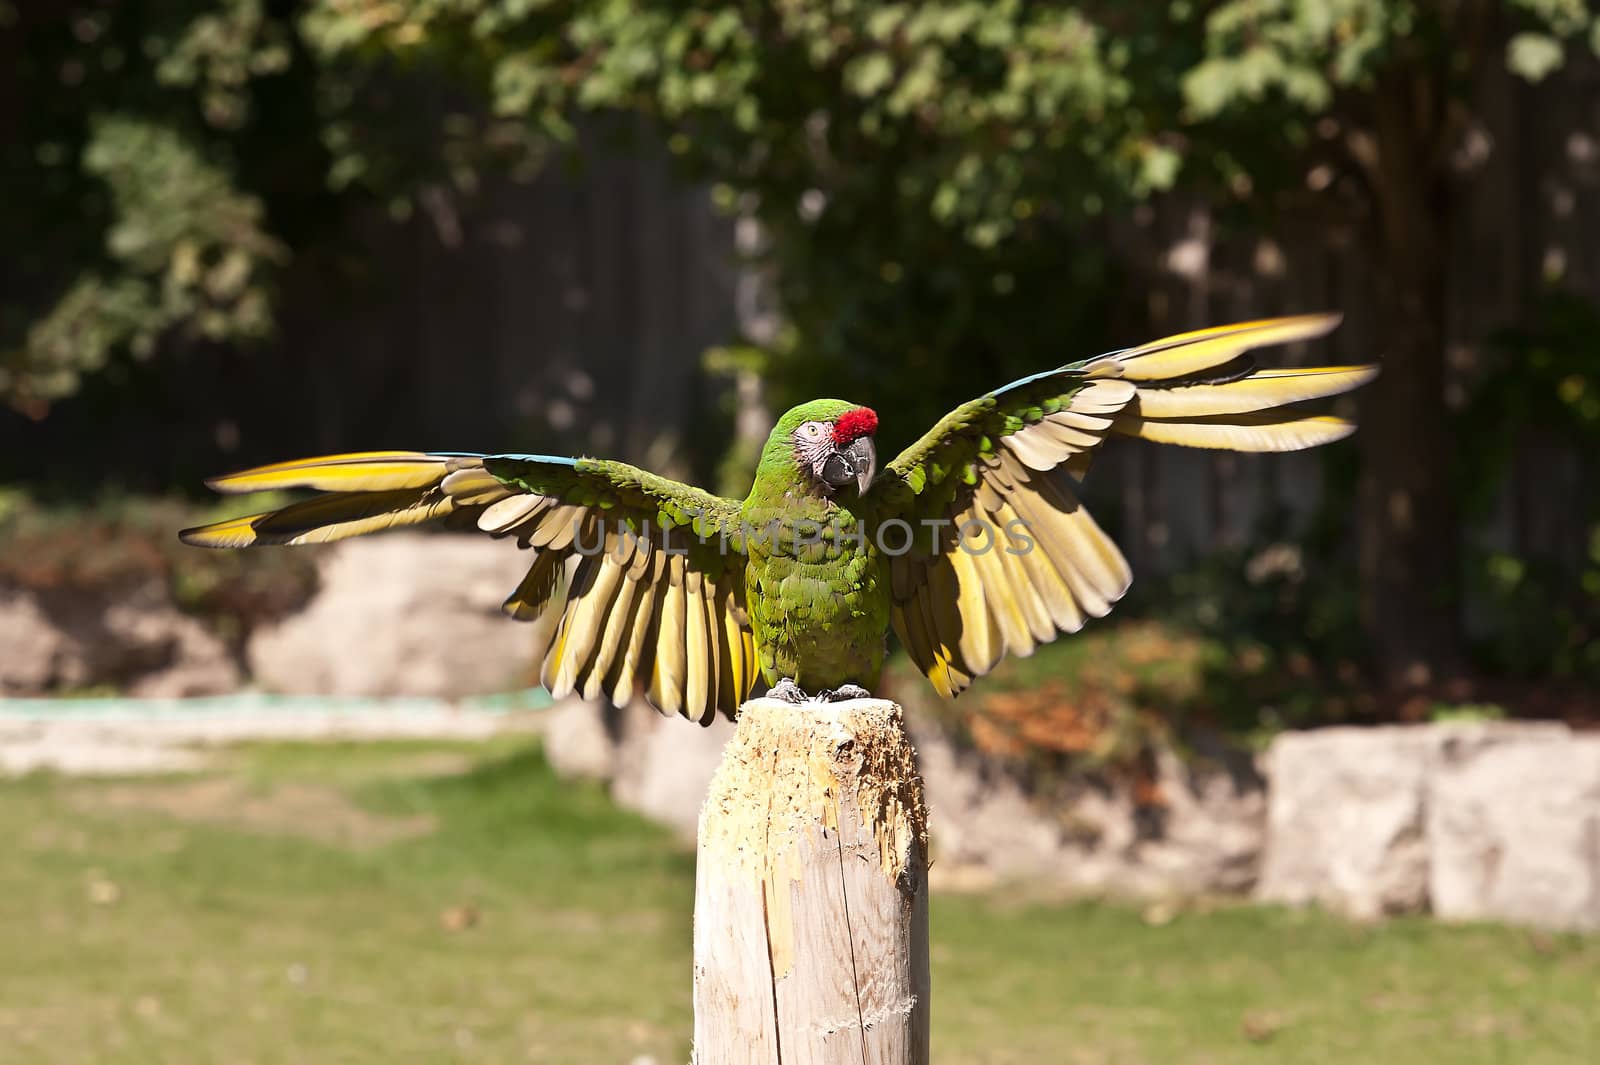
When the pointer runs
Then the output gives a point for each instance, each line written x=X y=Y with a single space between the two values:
x=1197 y=831
x=1203 y=836
x=981 y=823
x=657 y=766
x=36 y=655
x=137 y=640
x=403 y=614
x=580 y=740
x=1514 y=830
x=665 y=765
x=1346 y=820
x=1486 y=820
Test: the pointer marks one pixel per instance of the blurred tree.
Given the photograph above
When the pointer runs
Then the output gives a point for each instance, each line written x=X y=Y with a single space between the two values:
x=1539 y=402
x=1377 y=98
x=924 y=173
x=163 y=162
x=124 y=220
x=929 y=177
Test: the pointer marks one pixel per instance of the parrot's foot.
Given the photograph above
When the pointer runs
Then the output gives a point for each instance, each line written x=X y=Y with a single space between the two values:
x=787 y=691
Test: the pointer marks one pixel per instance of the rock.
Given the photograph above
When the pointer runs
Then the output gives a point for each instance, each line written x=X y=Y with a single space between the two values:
x=1202 y=835
x=664 y=765
x=1345 y=820
x=35 y=654
x=658 y=766
x=194 y=661
x=1481 y=820
x=1514 y=830
x=1497 y=820
x=579 y=742
x=1211 y=824
x=980 y=816
x=138 y=641
x=403 y=614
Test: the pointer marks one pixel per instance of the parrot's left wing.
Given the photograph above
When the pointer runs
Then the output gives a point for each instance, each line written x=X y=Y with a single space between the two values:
x=637 y=581
x=1002 y=556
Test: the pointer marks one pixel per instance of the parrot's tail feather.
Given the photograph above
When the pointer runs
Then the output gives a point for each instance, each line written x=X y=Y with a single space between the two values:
x=366 y=492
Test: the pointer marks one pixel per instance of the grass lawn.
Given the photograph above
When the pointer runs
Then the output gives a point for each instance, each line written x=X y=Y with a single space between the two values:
x=436 y=902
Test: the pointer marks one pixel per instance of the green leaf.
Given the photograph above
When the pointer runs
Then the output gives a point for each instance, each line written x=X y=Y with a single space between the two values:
x=868 y=75
x=1158 y=167
x=1534 y=56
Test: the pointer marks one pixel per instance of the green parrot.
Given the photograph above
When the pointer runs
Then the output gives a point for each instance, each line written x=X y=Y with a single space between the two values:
x=970 y=545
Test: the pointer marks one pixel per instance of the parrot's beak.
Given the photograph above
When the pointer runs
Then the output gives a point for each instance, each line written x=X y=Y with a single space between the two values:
x=864 y=456
x=856 y=463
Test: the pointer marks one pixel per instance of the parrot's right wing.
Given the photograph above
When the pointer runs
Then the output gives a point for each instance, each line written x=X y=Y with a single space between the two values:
x=637 y=581
x=1002 y=556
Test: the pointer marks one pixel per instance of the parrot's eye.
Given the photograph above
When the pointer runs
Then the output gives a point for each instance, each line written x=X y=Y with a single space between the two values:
x=812 y=430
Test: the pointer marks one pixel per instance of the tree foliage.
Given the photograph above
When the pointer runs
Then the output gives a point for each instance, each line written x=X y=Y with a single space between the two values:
x=932 y=180
x=165 y=163
x=918 y=167
x=124 y=223
x=922 y=172
x=928 y=175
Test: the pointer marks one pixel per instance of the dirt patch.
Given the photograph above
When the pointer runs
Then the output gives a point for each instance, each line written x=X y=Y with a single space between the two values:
x=431 y=765
x=59 y=751
x=305 y=810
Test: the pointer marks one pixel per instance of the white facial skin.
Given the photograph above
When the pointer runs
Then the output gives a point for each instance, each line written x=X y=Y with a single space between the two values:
x=830 y=466
x=813 y=442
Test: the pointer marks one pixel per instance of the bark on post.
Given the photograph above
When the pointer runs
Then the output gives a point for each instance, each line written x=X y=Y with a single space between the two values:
x=811 y=892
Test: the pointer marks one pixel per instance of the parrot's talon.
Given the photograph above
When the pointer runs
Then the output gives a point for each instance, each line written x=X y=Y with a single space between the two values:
x=787 y=691
x=843 y=693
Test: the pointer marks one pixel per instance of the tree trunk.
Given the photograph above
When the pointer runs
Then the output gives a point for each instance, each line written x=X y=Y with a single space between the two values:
x=1410 y=546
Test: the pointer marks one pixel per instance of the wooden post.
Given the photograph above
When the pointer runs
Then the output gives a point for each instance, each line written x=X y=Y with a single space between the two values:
x=811 y=892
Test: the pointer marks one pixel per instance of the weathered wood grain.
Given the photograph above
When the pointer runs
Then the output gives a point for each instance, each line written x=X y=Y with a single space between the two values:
x=811 y=893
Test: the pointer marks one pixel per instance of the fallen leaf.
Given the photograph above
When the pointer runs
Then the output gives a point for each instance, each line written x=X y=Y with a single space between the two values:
x=459 y=918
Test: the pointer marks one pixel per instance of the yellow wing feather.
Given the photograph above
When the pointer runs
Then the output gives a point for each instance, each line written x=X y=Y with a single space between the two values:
x=958 y=613
x=599 y=626
x=1262 y=390
x=1261 y=431
x=358 y=471
x=1204 y=349
x=324 y=519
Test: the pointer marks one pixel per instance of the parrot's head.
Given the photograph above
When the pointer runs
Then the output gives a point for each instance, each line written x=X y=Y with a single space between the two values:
x=831 y=443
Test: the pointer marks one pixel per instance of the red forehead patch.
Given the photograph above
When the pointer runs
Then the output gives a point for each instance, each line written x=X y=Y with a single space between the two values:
x=854 y=424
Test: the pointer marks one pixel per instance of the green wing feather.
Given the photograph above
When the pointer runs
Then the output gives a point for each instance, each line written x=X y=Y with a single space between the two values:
x=1010 y=462
x=623 y=560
